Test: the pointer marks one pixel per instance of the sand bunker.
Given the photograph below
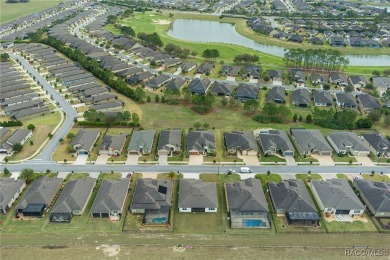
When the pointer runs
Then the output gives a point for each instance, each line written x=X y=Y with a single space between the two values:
x=161 y=22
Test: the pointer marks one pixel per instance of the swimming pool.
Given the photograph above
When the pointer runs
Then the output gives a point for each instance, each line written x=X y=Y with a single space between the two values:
x=159 y=220
x=253 y=223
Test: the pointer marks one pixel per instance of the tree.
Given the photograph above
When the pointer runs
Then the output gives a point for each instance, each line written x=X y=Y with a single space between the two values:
x=17 y=147
x=31 y=127
x=364 y=123
x=6 y=171
x=140 y=95
x=135 y=118
x=251 y=106
x=127 y=30
x=210 y=54
x=268 y=173
x=157 y=98
x=6 y=159
x=197 y=125
x=206 y=126
x=70 y=149
x=61 y=140
x=148 y=99
x=309 y=118
x=65 y=161
x=224 y=101
x=386 y=122
x=376 y=73
x=300 y=118
x=325 y=86
x=194 y=53
x=112 y=19
x=4 y=57
x=375 y=115
x=172 y=175
x=295 y=117
x=70 y=136
x=28 y=175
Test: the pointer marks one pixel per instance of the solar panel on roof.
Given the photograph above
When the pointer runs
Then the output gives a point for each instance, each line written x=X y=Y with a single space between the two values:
x=162 y=189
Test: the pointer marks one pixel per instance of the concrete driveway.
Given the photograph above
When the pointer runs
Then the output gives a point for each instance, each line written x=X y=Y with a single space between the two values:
x=195 y=160
x=288 y=176
x=249 y=159
x=81 y=159
x=364 y=160
x=230 y=78
x=132 y=159
x=323 y=159
x=2 y=157
x=253 y=80
x=163 y=159
x=102 y=159
x=290 y=160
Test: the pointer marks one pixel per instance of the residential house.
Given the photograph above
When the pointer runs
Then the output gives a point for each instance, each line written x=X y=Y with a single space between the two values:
x=39 y=197
x=246 y=92
x=20 y=136
x=358 y=81
x=348 y=142
x=277 y=95
x=175 y=84
x=108 y=106
x=170 y=62
x=301 y=97
x=4 y=132
x=188 y=66
x=247 y=205
x=338 y=79
x=153 y=199
x=345 y=100
x=298 y=76
x=317 y=41
x=381 y=83
x=140 y=78
x=251 y=71
x=335 y=196
x=276 y=76
x=84 y=141
x=318 y=79
x=205 y=68
x=367 y=103
x=378 y=144
x=231 y=71
x=73 y=200
x=295 y=38
x=222 y=89
x=200 y=142
x=141 y=142
x=322 y=98
x=10 y=189
x=310 y=141
x=110 y=199
x=157 y=82
x=291 y=199
x=169 y=142
x=112 y=144
x=336 y=41
x=242 y=142
x=199 y=86
x=376 y=195
x=197 y=196
x=276 y=141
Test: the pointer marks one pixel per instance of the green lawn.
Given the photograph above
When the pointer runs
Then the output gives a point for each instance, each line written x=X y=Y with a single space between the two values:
x=282 y=226
x=355 y=226
x=341 y=176
x=76 y=175
x=376 y=177
x=13 y=11
x=110 y=175
x=265 y=178
x=219 y=177
x=347 y=159
x=271 y=158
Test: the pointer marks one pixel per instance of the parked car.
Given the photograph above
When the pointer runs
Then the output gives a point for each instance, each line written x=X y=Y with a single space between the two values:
x=245 y=170
x=230 y=171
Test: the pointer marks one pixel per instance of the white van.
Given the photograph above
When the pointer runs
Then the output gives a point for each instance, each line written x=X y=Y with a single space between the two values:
x=245 y=170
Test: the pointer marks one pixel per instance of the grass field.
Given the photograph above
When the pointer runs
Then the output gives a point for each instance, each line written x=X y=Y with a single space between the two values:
x=306 y=176
x=355 y=226
x=337 y=158
x=13 y=11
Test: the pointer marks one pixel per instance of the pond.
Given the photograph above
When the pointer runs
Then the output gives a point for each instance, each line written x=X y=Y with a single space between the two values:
x=211 y=31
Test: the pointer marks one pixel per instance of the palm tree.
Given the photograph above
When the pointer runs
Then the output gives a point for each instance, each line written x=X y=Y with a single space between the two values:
x=172 y=175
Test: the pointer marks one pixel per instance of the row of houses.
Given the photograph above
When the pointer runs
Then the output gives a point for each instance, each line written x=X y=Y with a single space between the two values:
x=8 y=139
x=170 y=142
x=77 y=81
x=18 y=100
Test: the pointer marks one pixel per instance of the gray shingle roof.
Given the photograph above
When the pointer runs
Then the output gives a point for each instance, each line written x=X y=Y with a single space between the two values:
x=222 y=88
x=291 y=196
x=86 y=139
x=378 y=142
x=115 y=142
x=276 y=139
x=241 y=140
x=169 y=138
x=41 y=192
x=276 y=94
x=176 y=83
x=199 y=86
x=322 y=97
x=111 y=196
x=8 y=190
x=342 y=140
x=346 y=99
x=74 y=196
x=337 y=194
x=368 y=101
x=377 y=194
x=197 y=194
x=152 y=194
x=301 y=97
x=245 y=91
x=246 y=196
x=198 y=140
x=158 y=81
x=309 y=139
x=141 y=139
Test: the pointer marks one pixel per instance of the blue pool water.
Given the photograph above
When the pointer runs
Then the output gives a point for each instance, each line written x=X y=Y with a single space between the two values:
x=159 y=220
x=253 y=223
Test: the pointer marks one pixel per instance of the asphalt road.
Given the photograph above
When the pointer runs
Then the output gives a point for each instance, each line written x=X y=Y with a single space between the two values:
x=70 y=112
x=280 y=169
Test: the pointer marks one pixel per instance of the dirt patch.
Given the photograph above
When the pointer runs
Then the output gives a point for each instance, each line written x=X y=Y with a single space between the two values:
x=111 y=250
x=161 y=22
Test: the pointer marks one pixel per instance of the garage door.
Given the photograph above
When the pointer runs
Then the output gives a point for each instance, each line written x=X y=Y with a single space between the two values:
x=289 y=153
x=194 y=153
x=197 y=210
x=105 y=215
x=342 y=212
x=96 y=215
